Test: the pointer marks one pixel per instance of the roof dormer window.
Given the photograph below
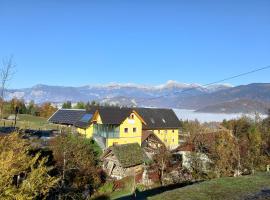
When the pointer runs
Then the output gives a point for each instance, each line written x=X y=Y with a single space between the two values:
x=131 y=116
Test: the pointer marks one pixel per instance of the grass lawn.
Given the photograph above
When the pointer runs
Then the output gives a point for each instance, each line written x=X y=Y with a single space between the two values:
x=107 y=190
x=30 y=122
x=224 y=189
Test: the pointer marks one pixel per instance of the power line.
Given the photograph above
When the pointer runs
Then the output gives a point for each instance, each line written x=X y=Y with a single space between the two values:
x=208 y=84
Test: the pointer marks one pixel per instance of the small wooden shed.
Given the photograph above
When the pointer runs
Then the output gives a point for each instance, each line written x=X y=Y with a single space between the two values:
x=124 y=160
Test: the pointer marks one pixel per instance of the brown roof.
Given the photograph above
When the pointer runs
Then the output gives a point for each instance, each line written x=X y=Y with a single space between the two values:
x=147 y=134
x=185 y=147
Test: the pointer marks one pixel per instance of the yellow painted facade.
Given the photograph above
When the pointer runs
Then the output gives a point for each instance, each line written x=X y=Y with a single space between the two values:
x=168 y=136
x=130 y=132
x=88 y=132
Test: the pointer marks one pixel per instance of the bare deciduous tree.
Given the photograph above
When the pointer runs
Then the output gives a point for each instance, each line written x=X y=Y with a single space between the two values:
x=7 y=71
x=161 y=161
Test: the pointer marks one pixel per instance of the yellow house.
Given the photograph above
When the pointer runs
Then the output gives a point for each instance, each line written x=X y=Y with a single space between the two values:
x=112 y=125
x=163 y=123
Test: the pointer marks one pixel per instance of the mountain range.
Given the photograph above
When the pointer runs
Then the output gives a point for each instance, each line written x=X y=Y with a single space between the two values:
x=222 y=98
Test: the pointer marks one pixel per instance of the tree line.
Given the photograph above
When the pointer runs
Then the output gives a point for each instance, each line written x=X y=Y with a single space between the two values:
x=18 y=106
x=87 y=105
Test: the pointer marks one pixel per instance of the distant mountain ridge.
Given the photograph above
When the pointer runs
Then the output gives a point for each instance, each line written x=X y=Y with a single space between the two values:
x=237 y=106
x=171 y=94
x=42 y=93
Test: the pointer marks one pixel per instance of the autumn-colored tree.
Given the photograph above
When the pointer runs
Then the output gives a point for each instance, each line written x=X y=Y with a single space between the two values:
x=253 y=142
x=224 y=154
x=239 y=127
x=77 y=160
x=251 y=157
x=46 y=110
x=161 y=161
x=22 y=176
x=17 y=106
x=191 y=127
x=220 y=147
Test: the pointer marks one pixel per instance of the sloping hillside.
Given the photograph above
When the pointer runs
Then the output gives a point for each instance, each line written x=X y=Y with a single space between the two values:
x=256 y=92
x=237 y=106
x=230 y=188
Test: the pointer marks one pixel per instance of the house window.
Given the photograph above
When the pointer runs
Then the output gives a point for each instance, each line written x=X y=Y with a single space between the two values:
x=134 y=130
x=131 y=116
x=126 y=130
x=158 y=131
x=173 y=131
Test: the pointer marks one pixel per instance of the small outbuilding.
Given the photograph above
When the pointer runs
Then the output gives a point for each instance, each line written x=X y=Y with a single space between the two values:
x=124 y=160
x=151 y=143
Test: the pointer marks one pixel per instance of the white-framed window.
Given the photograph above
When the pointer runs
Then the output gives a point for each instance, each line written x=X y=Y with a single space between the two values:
x=126 y=130
x=134 y=130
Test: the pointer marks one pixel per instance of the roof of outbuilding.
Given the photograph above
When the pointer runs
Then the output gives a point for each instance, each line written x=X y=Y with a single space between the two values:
x=158 y=118
x=129 y=154
x=147 y=134
x=185 y=147
x=67 y=116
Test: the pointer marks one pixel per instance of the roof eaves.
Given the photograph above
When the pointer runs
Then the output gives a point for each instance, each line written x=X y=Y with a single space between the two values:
x=48 y=120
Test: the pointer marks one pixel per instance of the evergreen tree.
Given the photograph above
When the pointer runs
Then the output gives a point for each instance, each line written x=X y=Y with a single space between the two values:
x=67 y=105
x=80 y=105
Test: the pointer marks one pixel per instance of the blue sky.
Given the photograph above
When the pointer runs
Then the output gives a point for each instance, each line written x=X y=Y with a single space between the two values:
x=148 y=42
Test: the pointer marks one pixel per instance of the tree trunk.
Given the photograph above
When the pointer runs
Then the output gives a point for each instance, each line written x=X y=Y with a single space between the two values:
x=64 y=170
x=16 y=114
x=162 y=172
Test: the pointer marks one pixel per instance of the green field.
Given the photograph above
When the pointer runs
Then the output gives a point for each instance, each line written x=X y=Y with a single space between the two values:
x=30 y=122
x=220 y=189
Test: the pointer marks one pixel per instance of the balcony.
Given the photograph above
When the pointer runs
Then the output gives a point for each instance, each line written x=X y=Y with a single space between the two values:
x=106 y=131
